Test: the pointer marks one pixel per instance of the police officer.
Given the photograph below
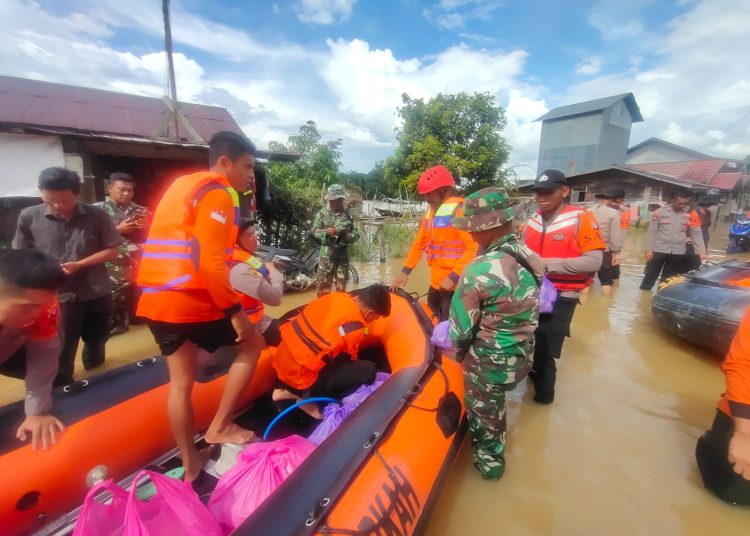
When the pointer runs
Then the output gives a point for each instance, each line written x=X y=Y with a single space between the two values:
x=568 y=240
x=669 y=231
x=608 y=220
x=493 y=315
x=334 y=230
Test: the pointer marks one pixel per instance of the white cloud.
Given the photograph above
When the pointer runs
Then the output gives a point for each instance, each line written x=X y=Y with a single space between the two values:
x=590 y=65
x=616 y=19
x=324 y=11
x=275 y=9
x=451 y=14
x=696 y=86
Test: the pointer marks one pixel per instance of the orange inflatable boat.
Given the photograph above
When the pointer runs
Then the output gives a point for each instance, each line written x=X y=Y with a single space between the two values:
x=378 y=473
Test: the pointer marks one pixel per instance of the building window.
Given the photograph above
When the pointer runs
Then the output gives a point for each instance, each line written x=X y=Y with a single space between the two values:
x=578 y=195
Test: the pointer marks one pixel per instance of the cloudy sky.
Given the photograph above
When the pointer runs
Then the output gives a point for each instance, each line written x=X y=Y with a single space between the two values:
x=345 y=63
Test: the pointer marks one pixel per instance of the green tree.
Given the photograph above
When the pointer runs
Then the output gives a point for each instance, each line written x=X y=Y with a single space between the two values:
x=296 y=187
x=461 y=132
x=372 y=184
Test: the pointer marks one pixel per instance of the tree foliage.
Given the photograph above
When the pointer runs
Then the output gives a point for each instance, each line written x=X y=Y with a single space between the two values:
x=372 y=184
x=296 y=187
x=461 y=132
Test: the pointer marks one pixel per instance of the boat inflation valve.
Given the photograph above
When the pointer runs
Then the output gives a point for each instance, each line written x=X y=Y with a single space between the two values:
x=96 y=476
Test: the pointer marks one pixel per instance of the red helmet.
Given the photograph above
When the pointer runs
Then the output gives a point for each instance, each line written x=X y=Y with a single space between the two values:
x=434 y=178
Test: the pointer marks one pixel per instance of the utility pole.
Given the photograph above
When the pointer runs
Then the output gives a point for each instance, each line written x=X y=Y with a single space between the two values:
x=170 y=61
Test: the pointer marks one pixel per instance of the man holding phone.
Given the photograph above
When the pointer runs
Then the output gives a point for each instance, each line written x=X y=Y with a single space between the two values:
x=131 y=221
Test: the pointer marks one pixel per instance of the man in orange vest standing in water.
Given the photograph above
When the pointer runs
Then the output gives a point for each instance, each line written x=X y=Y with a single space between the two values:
x=448 y=249
x=188 y=300
x=568 y=241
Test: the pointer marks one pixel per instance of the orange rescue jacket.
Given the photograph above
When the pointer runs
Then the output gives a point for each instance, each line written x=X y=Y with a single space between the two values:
x=570 y=234
x=253 y=307
x=326 y=327
x=173 y=255
x=448 y=249
x=624 y=219
x=735 y=401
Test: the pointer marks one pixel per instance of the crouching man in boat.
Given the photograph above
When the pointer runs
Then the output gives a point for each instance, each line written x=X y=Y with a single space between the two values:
x=448 y=249
x=723 y=453
x=318 y=351
x=493 y=317
x=29 y=343
x=258 y=284
x=188 y=301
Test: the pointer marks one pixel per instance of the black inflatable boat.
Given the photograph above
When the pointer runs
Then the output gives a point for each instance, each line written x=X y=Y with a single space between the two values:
x=705 y=306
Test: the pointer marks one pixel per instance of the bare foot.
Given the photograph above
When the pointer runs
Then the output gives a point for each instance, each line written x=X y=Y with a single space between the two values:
x=283 y=394
x=231 y=433
x=312 y=410
x=199 y=459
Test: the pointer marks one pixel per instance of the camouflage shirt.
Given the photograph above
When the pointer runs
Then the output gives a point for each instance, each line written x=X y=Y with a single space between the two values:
x=342 y=222
x=495 y=311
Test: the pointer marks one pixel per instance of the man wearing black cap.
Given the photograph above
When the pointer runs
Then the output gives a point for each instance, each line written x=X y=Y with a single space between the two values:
x=608 y=220
x=568 y=241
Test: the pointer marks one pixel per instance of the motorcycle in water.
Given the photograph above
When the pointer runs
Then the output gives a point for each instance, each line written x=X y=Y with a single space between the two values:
x=739 y=234
x=298 y=270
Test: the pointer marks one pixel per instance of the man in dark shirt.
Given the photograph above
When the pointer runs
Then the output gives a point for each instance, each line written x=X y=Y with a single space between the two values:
x=82 y=238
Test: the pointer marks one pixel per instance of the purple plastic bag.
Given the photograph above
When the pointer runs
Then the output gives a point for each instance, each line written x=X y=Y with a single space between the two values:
x=175 y=509
x=441 y=335
x=260 y=469
x=335 y=414
x=547 y=296
x=102 y=519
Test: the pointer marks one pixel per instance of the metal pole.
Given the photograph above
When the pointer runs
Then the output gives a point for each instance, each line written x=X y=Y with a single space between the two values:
x=381 y=240
x=170 y=62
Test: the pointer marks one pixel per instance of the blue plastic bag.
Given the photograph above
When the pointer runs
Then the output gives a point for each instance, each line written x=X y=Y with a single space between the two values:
x=547 y=296
x=441 y=335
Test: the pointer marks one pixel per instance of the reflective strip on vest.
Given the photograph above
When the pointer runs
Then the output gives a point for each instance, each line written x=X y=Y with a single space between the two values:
x=158 y=248
x=168 y=285
x=349 y=327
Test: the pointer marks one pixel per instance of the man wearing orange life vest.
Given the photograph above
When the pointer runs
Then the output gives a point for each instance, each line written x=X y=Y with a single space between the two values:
x=187 y=298
x=723 y=453
x=256 y=283
x=318 y=351
x=568 y=241
x=448 y=249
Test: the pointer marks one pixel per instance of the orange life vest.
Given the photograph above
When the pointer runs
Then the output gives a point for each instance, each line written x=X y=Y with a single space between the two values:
x=445 y=246
x=624 y=219
x=326 y=327
x=253 y=307
x=558 y=240
x=169 y=258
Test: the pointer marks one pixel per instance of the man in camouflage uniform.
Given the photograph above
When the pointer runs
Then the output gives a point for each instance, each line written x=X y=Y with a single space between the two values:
x=493 y=315
x=130 y=220
x=334 y=230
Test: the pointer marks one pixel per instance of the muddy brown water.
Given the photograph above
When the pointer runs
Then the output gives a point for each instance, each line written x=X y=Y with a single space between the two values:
x=613 y=455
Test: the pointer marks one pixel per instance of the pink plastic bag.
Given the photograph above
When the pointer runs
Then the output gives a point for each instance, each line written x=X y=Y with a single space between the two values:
x=441 y=335
x=175 y=509
x=260 y=469
x=102 y=519
x=335 y=414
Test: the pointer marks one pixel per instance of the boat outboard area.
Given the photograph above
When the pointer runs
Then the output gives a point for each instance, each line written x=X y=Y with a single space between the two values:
x=117 y=426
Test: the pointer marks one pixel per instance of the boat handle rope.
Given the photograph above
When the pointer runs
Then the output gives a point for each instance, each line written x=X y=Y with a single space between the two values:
x=325 y=530
x=76 y=387
x=291 y=408
x=416 y=389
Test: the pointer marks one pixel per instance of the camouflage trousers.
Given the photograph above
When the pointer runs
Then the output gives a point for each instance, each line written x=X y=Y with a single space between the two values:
x=332 y=273
x=120 y=275
x=485 y=409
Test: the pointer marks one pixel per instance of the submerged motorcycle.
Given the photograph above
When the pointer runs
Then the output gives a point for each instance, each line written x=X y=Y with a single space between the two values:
x=739 y=234
x=299 y=270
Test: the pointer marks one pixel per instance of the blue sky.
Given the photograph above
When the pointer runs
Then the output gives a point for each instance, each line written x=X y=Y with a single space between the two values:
x=345 y=63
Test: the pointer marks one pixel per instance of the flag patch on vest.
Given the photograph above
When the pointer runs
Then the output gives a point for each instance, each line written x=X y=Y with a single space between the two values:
x=219 y=215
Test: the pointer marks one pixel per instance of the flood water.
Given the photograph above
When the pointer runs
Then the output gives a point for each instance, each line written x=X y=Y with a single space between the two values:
x=613 y=455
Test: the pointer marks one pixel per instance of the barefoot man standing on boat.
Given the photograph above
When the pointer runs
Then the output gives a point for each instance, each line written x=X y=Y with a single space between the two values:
x=187 y=298
x=493 y=317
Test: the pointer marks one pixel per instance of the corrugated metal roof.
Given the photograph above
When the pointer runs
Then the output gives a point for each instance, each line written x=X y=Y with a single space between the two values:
x=727 y=181
x=45 y=104
x=592 y=106
x=699 y=171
